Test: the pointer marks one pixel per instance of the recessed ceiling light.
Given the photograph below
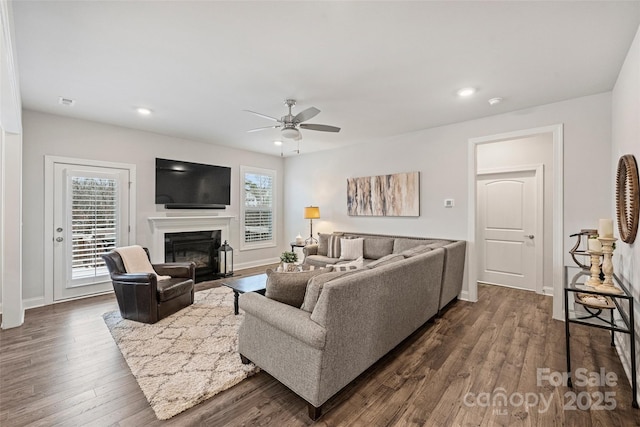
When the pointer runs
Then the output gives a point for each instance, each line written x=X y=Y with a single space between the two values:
x=495 y=101
x=466 y=91
x=277 y=142
x=143 y=111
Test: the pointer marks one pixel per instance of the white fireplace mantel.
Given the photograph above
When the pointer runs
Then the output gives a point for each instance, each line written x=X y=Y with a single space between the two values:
x=160 y=225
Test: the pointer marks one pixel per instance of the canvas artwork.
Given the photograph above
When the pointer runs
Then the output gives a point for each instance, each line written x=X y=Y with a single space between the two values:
x=384 y=195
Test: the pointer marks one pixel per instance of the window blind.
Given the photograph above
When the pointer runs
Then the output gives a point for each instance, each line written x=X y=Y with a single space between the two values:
x=258 y=207
x=94 y=208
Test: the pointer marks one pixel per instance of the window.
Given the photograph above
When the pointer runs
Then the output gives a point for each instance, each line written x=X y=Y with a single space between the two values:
x=257 y=208
x=94 y=208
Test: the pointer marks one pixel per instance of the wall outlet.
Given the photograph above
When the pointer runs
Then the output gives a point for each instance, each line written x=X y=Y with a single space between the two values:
x=449 y=203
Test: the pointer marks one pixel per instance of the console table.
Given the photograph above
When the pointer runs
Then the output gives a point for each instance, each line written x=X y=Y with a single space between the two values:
x=599 y=316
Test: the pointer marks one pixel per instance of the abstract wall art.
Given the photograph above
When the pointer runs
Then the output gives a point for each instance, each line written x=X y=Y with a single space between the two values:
x=384 y=195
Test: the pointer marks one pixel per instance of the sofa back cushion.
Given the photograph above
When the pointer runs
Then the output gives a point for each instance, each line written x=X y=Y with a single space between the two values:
x=402 y=244
x=387 y=259
x=417 y=251
x=315 y=285
x=289 y=288
x=377 y=247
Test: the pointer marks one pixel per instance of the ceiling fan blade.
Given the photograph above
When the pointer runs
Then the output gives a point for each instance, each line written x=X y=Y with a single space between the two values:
x=263 y=115
x=323 y=128
x=307 y=114
x=263 y=128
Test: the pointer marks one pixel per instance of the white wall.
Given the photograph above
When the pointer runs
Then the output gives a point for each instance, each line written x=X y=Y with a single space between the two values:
x=626 y=140
x=533 y=150
x=440 y=154
x=46 y=134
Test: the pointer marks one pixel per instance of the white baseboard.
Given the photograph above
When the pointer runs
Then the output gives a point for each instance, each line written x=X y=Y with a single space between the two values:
x=258 y=263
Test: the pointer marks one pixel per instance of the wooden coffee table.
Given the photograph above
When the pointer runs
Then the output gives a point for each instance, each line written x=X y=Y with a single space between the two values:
x=241 y=285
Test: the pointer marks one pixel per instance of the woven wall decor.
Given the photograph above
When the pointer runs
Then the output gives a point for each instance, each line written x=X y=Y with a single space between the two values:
x=627 y=198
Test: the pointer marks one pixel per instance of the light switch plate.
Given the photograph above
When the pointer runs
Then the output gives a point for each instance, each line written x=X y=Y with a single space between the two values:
x=449 y=203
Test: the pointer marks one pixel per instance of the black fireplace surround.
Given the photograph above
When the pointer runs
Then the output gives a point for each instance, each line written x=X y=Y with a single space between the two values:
x=200 y=247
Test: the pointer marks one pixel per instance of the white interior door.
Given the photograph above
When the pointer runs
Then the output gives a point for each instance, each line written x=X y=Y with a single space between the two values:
x=91 y=217
x=510 y=229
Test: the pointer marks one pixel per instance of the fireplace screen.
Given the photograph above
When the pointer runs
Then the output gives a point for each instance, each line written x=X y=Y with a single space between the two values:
x=200 y=247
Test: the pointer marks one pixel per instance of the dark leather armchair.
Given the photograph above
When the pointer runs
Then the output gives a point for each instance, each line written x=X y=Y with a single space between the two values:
x=144 y=298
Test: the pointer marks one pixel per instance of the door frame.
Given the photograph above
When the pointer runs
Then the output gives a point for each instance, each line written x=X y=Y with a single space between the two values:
x=558 y=208
x=538 y=171
x=49 y=177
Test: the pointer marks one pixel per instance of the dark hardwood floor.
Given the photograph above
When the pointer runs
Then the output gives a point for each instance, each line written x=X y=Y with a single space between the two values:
x=63 y=368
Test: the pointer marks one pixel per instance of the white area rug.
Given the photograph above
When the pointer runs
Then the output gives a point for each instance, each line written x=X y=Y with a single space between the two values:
x=187 y=357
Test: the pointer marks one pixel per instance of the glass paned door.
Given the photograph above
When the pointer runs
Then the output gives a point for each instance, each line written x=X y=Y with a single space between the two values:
x=91 y=207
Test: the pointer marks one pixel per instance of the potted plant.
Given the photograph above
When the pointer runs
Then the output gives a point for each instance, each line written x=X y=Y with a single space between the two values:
x=288 y=259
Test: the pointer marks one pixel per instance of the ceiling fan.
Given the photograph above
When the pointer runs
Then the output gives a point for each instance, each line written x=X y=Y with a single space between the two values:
x=289 y=124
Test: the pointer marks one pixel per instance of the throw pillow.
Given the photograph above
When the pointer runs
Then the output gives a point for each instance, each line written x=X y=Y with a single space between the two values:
x=351 y=249
x=288 y=288
x=346 y=266
x=333 y=249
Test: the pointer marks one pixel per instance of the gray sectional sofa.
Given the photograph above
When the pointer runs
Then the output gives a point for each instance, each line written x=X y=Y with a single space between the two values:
x=349 y=320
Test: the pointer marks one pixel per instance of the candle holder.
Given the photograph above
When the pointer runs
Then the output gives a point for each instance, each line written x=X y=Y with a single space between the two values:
x=607 y=267
x=594 y=280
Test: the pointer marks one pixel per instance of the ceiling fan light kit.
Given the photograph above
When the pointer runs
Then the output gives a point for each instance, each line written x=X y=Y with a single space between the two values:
x=289 y=124
x=290 y=132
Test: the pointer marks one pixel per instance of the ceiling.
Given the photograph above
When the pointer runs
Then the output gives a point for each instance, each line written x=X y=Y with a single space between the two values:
x=375 y=69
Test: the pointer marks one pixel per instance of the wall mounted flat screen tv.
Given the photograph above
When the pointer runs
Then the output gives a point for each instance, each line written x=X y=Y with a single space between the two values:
x=186 y=185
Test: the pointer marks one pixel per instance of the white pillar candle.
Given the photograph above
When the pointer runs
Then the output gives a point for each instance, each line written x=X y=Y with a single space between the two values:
x=595 y=245
x=605 y=228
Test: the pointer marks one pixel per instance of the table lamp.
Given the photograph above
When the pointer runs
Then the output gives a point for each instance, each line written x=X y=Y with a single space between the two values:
x=311 y=213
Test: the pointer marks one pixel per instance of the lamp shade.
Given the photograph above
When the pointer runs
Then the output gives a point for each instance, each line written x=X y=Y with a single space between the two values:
x=311 y=212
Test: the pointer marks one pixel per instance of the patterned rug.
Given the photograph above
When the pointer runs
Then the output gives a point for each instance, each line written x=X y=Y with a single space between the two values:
x=187 y=357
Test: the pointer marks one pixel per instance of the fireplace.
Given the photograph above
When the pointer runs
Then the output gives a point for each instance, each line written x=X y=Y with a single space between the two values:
x=189 y=230
x=200 y=247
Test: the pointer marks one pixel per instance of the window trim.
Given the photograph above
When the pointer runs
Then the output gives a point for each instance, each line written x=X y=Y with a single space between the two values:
x=244 y=246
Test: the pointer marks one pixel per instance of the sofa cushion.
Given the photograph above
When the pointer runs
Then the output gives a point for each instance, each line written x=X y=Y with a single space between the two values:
x=346 y=266
x=387 y=259
x=289 y=288
x=170 y=288
x=314 y=288
x=416 y=251
x=376 y=248
x=401 y=244
x=351 y=249
x=320 y=260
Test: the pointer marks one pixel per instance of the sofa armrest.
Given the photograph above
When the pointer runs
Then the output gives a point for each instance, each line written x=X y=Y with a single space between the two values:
x=134 y=278
x=310 y=250
x=290 y=320
x=176 y=269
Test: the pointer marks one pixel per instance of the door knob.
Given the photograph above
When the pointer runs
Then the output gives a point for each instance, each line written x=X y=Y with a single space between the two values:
x=59 y=239
x=529 y=236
